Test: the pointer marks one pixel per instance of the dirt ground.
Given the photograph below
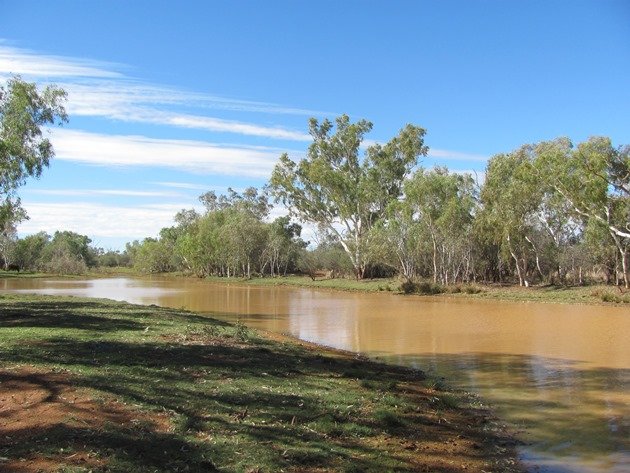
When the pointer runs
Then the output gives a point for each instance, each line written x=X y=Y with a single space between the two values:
x=34 y=402
x=35 y=406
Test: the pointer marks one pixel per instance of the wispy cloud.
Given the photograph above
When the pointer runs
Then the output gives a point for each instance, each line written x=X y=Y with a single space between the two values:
x=181 y=185
x=98 y=89
x=446 y=154
x=28 y=63
x=193 y=156
x=104 y=192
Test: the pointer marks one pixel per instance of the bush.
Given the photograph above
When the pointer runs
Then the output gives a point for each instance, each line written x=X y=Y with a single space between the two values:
x=471 y=289
x=65 y=264
x=408 y=287
x=425 y=288
x=429 y=288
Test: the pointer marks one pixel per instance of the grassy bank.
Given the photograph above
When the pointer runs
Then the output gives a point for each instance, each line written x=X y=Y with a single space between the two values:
x=596 y=294
x=339 y=284
x=94 y=385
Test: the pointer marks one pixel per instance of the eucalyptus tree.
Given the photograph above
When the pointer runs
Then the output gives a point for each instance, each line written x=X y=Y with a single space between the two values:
x=68 y=253
x=334 y=187
x=442 y=205
x=283 y=246
x=399 y=239
x=594 y=179
x=24 y=150
x=28 y=251
x=154 y=256
x=511 y=197
x=11 y=213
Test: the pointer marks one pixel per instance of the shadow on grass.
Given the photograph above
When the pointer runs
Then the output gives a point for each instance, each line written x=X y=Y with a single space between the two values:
x=286 y=406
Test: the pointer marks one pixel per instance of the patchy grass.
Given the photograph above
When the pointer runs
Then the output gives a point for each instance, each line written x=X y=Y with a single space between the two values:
x=94 y=385
x=21 y=274
x=558 y=294
x=340 y=284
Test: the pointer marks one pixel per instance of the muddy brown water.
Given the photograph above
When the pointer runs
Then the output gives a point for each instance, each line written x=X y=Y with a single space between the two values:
x=559 y=374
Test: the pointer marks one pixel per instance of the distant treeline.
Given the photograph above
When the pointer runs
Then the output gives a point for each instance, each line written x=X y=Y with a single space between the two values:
x=545 y=213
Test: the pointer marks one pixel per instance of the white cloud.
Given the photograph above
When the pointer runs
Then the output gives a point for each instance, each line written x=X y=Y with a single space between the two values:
x=96 y=89
x=182 y=185
x=27 y=63
x=106 y=192
x=194 y=156
x=456 y=155
x=133 y=102
x=97 y=220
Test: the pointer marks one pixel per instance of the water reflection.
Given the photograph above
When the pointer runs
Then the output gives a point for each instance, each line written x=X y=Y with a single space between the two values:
x=559 y=373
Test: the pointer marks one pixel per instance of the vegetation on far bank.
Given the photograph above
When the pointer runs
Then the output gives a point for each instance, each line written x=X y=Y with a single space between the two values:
x=94 y=385
x=548 y=213
x=594 y=294
x=587 y=294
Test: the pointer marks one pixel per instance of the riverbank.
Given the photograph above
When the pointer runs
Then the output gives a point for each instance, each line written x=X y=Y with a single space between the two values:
x=94 y=385
x=595 y=294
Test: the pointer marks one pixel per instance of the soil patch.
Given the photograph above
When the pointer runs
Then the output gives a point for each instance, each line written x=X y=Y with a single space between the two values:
x=44 y=409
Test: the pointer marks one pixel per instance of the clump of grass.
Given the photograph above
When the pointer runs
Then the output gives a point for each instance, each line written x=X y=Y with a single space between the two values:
x=471 y=289
x=241 y=332
x=446 y=401
x=388 y=419
x=430 y=288
x=607 y=296
x=436 y=384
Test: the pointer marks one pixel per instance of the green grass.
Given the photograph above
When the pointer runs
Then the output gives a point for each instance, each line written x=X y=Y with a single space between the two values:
x=560 y=294
x=340 y=284
x=237 y=402
x=597 y=294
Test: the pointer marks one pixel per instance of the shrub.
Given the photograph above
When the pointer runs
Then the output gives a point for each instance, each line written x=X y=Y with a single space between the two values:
x=65 y=264
x=429 y=288
x=471 y=289
x=408 y=287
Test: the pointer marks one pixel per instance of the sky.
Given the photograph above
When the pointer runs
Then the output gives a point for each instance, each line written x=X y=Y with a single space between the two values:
x=168 y=100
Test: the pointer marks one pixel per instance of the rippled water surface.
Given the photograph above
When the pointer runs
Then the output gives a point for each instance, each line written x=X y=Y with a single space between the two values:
x=559 y=373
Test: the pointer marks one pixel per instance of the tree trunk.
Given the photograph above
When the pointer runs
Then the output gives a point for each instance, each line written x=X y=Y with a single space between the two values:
x=624 y=267
x=624 y=260
x=521 y=279
x=435 y=270
x=536 y=256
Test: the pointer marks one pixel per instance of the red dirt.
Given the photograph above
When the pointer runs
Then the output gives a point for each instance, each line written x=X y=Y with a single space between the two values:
x=32 y=402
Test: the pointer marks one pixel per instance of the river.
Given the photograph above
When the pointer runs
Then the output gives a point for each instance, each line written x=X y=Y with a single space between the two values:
x=559 y=374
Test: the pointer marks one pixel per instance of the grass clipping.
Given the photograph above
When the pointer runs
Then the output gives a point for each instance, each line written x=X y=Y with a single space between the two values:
x=93 y=385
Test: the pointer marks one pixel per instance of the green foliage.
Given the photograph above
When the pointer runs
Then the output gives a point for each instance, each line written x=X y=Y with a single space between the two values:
x=333 y=185
x=154 y=256
x=24 y=150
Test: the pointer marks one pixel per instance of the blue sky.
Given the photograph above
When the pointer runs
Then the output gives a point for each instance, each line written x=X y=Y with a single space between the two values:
x=170 y=99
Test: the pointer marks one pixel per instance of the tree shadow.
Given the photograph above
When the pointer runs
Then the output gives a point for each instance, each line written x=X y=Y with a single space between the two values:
x=284 y=402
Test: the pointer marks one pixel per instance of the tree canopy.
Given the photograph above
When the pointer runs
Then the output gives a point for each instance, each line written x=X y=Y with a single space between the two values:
x=25 y=151
x=335 y=188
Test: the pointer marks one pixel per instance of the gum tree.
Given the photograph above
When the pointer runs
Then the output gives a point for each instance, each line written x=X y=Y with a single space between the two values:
x=594 y=180
x=25 y=151
x=337 y=189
